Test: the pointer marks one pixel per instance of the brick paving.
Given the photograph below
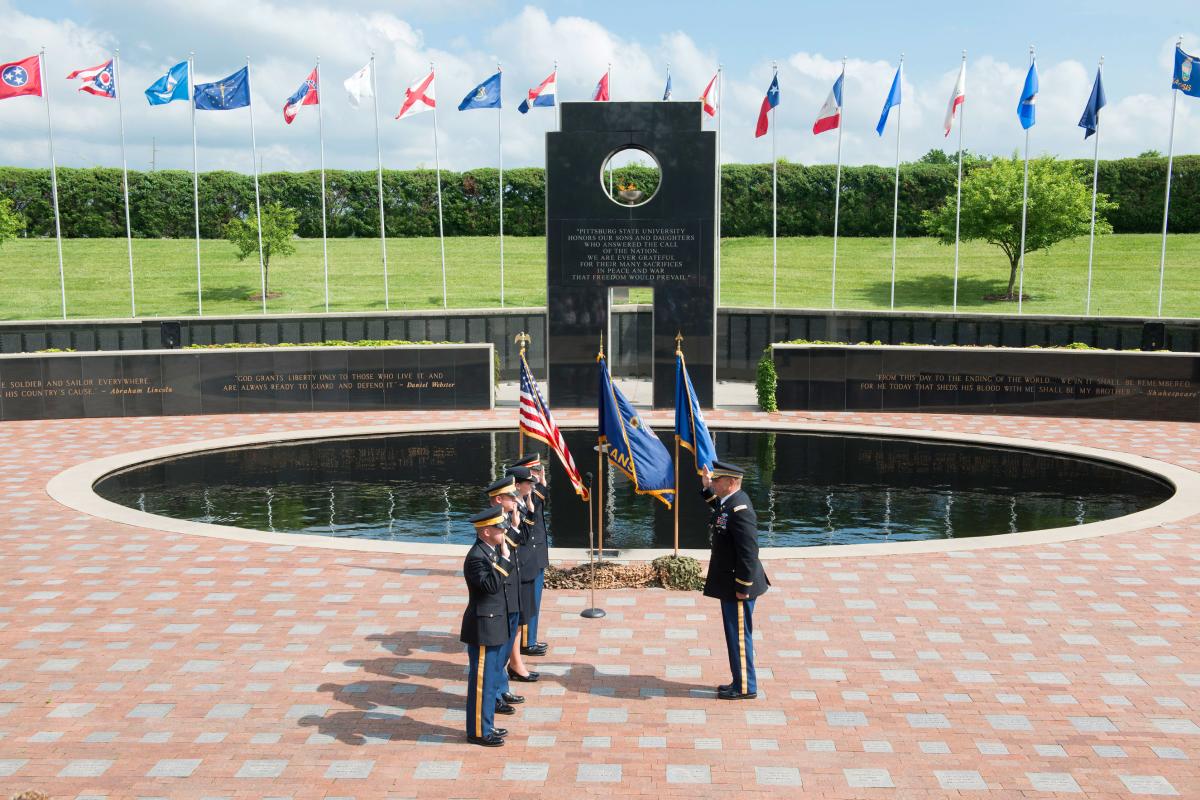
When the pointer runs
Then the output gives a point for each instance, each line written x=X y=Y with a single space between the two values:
x=142 y=664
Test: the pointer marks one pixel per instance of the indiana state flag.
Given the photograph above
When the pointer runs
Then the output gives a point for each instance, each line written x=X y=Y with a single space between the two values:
x=633 y=447
x=225 y=94
x=690 y=429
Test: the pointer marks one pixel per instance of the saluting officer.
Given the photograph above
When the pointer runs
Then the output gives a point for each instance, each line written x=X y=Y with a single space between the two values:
x=485 y=626
x=533 y=495
x=735 y=575
x=502 y=494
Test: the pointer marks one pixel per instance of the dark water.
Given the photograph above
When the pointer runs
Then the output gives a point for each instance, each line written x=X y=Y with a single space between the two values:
x=808 y=489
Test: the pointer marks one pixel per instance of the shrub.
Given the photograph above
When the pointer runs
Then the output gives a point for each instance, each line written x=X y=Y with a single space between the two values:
x=766 y=381
x=678 y=572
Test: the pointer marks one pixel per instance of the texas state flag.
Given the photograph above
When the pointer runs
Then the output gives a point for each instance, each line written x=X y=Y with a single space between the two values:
x=830 y=115
x=769 y=102
x=20 y=78
x=309 y=94
x=542 y=95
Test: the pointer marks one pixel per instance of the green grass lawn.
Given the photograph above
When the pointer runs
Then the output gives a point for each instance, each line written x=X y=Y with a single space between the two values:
x=97 y=276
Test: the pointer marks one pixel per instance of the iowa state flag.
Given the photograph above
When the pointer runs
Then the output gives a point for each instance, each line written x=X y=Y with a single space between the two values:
x=633 y=447
x=22 y=77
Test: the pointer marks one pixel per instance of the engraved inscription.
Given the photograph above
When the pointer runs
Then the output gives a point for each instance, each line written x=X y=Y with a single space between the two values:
x=631 y=253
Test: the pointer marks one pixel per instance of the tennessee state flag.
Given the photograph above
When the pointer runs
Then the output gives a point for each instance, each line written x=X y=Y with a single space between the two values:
x=769 y=102
x=22 y=77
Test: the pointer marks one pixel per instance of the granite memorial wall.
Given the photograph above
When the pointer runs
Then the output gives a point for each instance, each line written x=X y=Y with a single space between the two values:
x=252 y=380
x=979 y=380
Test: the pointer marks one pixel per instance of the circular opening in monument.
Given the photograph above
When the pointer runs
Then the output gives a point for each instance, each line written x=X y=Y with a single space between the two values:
x=807 y=488
x=630 y=176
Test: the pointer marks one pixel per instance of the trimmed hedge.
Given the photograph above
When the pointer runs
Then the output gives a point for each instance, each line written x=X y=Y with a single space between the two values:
x=161 y=202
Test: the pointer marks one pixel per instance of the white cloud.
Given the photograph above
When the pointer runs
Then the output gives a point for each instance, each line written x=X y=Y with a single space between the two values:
x=284 y=41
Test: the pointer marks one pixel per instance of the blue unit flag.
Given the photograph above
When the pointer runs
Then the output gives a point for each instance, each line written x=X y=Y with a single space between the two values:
x=893 y=99
x=1027 y=105
x=633 y=447
x=1090 y=121
x=690 y=429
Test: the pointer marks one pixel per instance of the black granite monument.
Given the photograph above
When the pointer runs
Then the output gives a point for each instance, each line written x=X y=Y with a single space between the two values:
x=595 y=242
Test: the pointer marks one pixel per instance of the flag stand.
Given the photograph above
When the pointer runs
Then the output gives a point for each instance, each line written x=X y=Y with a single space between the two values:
x=837 y=189
x=437 y=165
x=958 y=189
x=592 y=612
x=195 y=180
x=1087 y=308
x=522 y=339
x=62 y=279
x=387 y=306
x=1162 y=261
x=125 y=178
x=262 y=267
x=896 y=192
x=500 y=152
x=1024 y=212
x=321 y=134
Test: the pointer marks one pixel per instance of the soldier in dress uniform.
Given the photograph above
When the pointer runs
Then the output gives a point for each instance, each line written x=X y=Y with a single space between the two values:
x=735 y=575
x=527 y=558
x=502 y=494
x=485 y=627
x=535 y=497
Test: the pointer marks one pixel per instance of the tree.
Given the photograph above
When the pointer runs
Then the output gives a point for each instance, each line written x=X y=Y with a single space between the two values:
x=1060 y=208
x=278 y=228
x=1149 y=154
x=11 y=221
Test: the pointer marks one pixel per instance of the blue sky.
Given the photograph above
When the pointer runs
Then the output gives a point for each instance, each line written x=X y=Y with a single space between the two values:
x=466 y=37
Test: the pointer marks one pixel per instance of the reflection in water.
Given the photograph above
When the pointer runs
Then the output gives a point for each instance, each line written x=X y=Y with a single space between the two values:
x=808 y=488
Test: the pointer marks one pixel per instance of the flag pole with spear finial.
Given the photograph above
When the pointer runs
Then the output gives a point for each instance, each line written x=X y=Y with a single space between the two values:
x=678 y=354
x=522 y=339
x=601 y=449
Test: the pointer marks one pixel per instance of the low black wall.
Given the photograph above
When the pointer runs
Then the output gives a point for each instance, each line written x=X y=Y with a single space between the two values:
x=171 y=382
x=1078 y=383
x=742 y=333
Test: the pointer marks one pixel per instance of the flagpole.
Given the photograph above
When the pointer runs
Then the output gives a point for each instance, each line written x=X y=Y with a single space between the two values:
x=195 y=179
x=387 y=306
x=774 y=202
x=62 y=279
x=500 y=152
x=666 y=95
x=720 y=104
x=601 y=449
x=608 y=82
x=1024 y=213
x=557 y=101
x=678 y=355
x=262 y=267
x=958 y=186
x=837 y=189
x=522 y=339
x=1087 y=309
x=437 y=165
x=896 y=193
x=125 y=178
x=324 y=223
x=1162 y=260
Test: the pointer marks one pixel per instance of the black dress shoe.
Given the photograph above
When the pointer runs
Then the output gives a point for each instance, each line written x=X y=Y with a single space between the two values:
x=512 y=699
x=501 y=732
x=529 y=677
x=732 y=695
x=491 y=740
x=538 y=649
x=504 y=708
x=725 y=687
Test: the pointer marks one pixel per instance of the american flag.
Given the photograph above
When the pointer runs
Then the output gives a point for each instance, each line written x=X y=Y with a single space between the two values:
x=537 y=422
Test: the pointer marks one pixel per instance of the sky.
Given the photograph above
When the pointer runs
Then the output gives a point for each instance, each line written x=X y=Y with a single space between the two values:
x=466 y=39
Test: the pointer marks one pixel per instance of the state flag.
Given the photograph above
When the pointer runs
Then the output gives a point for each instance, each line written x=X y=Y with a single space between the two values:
x=360 y=85
x=957 y=97
x=1027 y=105
x=769 y=102
x=601 y=92
x=232 y=91
x=309 y=94
x=708 y=98
x=893 y=100
x=96 y=80
x=830 y=115
x=542 y=95
x=418 y=98
x=18 y=78
x=170 y=87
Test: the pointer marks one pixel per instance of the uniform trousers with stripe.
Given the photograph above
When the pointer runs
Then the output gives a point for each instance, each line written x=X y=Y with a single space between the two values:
x=483 y=675
x=502 y=686
x=738 y=616
x=529 y=632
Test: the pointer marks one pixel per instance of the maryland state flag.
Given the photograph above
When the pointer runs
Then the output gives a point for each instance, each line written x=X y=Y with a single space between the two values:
x=633 y=447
